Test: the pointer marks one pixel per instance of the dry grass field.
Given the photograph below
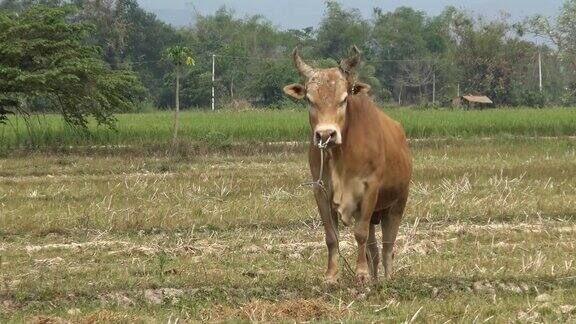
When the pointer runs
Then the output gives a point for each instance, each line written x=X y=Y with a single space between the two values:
x=489 y=236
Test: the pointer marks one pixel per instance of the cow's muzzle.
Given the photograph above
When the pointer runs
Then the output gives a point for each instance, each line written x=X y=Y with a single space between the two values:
x=326 y=137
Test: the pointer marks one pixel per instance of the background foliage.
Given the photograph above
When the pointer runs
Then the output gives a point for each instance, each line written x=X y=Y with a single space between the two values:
x=405 y=52
x=46 y=64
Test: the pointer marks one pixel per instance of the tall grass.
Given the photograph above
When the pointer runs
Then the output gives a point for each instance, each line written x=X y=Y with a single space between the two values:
x=50 y=131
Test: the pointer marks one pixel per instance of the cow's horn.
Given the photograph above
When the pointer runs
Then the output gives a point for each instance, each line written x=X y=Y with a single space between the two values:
x=304 y=69
x=349 y=64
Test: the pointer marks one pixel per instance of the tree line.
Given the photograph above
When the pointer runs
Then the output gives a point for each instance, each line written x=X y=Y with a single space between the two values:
x=110 y=53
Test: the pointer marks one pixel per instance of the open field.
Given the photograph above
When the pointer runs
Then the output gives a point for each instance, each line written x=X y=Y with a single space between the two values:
x=489 y=235
x=222 y=128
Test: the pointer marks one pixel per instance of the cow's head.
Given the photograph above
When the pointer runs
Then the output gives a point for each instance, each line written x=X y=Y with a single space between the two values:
x=327 y=91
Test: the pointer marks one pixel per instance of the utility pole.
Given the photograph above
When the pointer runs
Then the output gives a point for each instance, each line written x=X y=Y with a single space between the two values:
x=540 y=69
x=434 y=88
x=213 y=80
x=177 y=112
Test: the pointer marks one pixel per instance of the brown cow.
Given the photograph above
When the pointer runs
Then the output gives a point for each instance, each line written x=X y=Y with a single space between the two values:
x=367 y=165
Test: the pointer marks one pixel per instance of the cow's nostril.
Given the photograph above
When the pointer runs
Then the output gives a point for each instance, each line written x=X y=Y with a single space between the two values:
x=325 y=136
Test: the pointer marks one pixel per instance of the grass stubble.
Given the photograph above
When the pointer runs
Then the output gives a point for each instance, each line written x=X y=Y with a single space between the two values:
x=489 y=235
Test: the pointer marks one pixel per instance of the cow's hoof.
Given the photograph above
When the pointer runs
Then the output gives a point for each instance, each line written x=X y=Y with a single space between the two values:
x=362 y=279
x=331 y=280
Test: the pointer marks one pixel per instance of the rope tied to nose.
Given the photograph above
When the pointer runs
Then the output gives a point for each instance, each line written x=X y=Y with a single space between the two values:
x=322 y=146
x=319 y=183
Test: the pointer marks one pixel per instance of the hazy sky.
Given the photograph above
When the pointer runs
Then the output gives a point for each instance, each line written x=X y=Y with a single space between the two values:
x=305 y=13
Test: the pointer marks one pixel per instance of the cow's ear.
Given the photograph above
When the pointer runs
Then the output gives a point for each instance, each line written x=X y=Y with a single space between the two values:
x=295 y=90
x=360 y=87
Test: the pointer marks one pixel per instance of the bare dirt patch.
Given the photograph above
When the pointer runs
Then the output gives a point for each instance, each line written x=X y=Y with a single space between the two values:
x=73 y=246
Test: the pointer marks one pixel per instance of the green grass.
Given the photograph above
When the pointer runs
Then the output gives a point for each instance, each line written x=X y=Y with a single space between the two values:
x=130 y=238
x=222 y=128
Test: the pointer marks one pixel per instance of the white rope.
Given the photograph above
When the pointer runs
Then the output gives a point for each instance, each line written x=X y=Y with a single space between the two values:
x=320 y=184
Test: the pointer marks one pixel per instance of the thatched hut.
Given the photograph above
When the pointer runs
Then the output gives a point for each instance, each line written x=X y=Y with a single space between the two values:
x=480 y=102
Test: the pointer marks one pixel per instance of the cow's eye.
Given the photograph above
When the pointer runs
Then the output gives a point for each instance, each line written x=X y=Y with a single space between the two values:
x=343 y=103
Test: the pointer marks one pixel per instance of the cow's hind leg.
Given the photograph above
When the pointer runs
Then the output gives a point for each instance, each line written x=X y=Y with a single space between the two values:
x=362 y=233
x=373 y=252
x=390 y=225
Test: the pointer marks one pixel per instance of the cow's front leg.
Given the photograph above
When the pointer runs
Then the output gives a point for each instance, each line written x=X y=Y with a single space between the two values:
x=373 y=252
x=361 y=232
x=331 y=231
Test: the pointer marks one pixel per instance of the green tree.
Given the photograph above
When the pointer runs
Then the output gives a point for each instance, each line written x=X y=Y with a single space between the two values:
x=130 y=38
x=20 y=5
x=411 y=47
x=179 y=57
x=561 y=31
x=245 y=48
x=407 y=53
x=44 y=59
x=4 y=109
x=339 y=30
x=488 y=54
